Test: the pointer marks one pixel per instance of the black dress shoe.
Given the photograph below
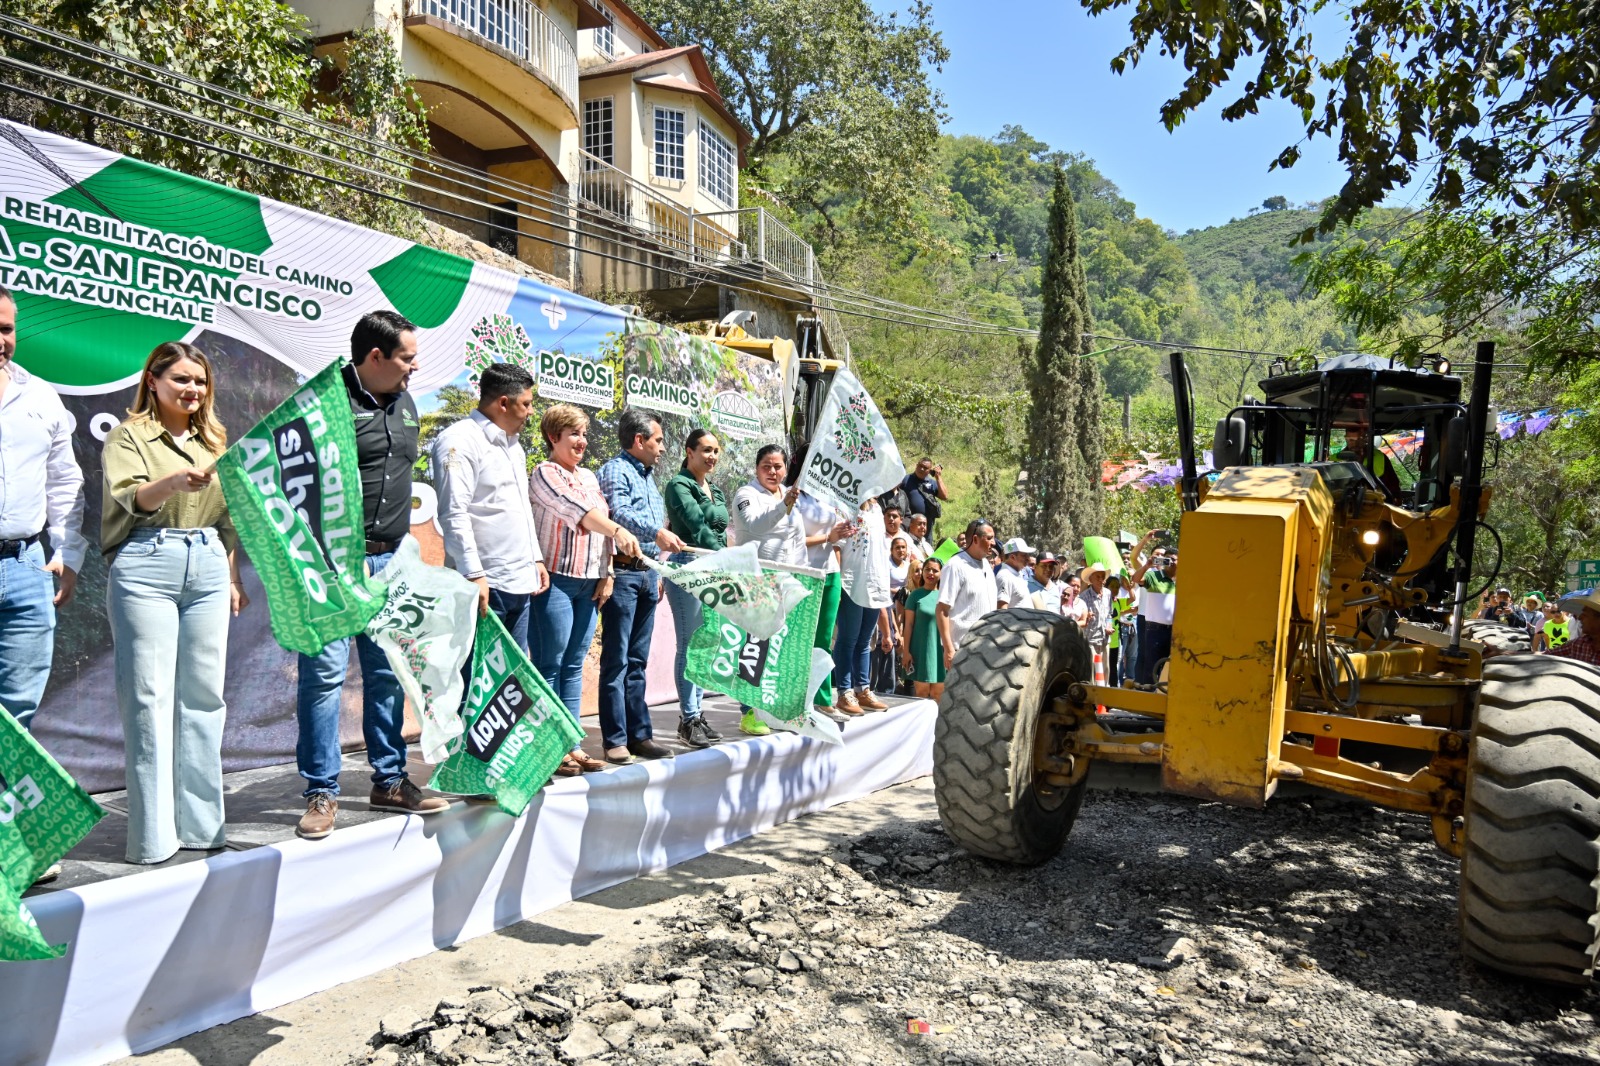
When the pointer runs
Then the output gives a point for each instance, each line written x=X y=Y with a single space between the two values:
x=649 y=749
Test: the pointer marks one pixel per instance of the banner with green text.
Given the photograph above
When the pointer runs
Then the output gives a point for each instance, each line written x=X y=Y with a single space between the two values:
x=43 y=815
x=518 y=730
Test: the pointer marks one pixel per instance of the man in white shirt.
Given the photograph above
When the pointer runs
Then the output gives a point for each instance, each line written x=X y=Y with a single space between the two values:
x=967 y=589
x=41 y=492
x=921 y=547
x=1012 y=577
x=482 y=475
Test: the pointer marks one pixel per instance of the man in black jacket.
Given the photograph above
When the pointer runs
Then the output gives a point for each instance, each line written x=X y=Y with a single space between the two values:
x=383 y=350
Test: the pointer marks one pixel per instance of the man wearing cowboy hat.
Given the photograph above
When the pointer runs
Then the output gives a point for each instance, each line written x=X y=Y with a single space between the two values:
x=1096 y=600
x=1586 y=647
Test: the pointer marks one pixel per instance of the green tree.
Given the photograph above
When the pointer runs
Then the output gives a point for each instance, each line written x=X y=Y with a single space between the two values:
x=259 y=49
x=836 y=96
x=1058 y=466
x=1489 y=105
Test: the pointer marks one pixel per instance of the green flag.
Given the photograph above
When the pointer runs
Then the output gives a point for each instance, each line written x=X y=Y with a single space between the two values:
x=777 y=677
x=294 y=492
x=518 y=730
x=43 y=815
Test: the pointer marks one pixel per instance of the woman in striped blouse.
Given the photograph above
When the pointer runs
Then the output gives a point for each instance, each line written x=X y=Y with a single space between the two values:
x=577 y=536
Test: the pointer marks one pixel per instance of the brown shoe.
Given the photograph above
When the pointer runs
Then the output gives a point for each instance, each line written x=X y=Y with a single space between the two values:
x=585 y=762
x=846 y=704
x=406 y=798
x=317 y=822
x=649 y=749
x=868 y=701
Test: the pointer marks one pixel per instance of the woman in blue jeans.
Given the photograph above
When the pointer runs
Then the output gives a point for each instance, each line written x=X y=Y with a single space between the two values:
x=173 y=581
x=577 y=536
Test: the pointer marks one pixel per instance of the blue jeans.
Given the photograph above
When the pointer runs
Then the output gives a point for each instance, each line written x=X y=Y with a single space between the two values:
x=514 y=610
x=852 y=646
x=629 y=617
x=563 y=628
x=383 y=710
x=27 y=632
x=686 y=618
x=167 y=601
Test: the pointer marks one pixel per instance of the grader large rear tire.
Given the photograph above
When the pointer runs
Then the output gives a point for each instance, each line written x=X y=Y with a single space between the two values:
x=1529 y=903
x=1010 y=665
x=1498 y=638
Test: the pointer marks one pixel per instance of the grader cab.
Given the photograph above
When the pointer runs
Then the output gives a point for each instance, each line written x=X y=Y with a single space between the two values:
x=1342 y=661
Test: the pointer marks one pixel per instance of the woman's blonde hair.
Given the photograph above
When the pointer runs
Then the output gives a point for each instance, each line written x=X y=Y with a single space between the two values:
x=204 y=423
x=560 y=418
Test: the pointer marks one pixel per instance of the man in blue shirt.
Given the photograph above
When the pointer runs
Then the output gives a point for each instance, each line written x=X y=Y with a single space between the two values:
x=924 y=489
x=628 y=617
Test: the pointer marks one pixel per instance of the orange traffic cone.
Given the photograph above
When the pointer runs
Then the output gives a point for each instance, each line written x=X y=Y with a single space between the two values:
x=1099 y=677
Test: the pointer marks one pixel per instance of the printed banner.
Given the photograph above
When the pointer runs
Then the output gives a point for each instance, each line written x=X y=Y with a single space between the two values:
x=422 y=629
x=853 y=455
x=732 y=583
x=517 y=732
x=777 y=677
x=294 y=493
x=110 y=256
x=43 y=815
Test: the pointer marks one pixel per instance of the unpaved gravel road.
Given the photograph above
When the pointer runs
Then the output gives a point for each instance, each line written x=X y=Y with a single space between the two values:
x=1170 y=931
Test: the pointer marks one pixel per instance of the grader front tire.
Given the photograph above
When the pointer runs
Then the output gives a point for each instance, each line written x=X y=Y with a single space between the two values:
x=1529 y=902
x=1497 y=638
x=1010 y=665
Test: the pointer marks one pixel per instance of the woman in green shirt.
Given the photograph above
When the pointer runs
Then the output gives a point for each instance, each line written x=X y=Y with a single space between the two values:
x=923 y=655
x=173 y=581
x=698 y=514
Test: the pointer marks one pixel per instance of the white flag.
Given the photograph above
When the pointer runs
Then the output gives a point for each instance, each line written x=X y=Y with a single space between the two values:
x=853 y=455
x=425 y=629
x=733 y=583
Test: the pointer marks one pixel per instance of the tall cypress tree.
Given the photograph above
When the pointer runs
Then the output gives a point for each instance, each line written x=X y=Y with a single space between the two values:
x=1057 y=466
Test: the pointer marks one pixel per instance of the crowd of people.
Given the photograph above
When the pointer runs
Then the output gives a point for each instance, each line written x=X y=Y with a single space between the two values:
x=553 y=551
x=1550 y=627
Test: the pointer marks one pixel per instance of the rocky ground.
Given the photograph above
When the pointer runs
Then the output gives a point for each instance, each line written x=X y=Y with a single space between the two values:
x=1170 y=931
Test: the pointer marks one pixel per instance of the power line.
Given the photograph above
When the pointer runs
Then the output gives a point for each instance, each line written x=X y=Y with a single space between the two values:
x=839 y=299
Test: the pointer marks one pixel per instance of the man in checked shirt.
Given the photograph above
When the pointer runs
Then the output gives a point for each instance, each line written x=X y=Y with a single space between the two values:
x=627 y=618
x=1586 y=647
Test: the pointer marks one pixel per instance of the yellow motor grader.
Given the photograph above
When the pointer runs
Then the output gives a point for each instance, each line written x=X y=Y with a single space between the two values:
x=1342 y=661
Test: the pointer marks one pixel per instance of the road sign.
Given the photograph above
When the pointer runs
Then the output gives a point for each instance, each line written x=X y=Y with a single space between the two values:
x=1583 y=574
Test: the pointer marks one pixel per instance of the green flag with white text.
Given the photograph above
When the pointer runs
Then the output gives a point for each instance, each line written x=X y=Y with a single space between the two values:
x=294 y=493
x=43 y=815
x=776 y=677
x=518 y=730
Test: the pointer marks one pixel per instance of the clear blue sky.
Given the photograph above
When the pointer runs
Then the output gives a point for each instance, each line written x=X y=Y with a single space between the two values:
x=1044 y=65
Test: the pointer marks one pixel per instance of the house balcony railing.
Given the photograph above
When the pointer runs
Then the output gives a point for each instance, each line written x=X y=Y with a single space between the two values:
x=519 y=27
x=747 y=236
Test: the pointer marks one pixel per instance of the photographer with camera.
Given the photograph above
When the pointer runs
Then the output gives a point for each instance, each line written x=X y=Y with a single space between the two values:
x=925 y=491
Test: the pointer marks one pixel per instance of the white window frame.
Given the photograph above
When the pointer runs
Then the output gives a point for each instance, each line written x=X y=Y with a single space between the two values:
x=609 y=124
x=663 y=152
x=719 y=166
x=605 y=37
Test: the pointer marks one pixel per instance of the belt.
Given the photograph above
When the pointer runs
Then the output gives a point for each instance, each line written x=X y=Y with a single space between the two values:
x=627 y=562
x=381 y=547
x=13 y=549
